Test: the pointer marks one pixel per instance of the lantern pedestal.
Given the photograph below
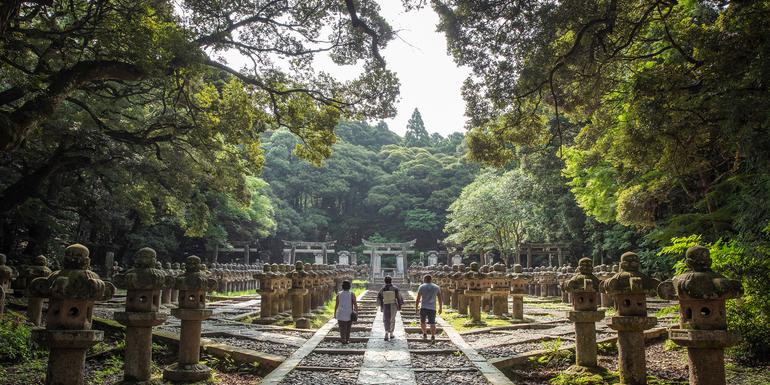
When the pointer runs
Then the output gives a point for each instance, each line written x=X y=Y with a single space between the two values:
x=35 y=310
x=67 y=353
x=474 y=307
x=188 y=368
x=631 y=357
x=706 y=352
x=139 y=325
x=585 y=339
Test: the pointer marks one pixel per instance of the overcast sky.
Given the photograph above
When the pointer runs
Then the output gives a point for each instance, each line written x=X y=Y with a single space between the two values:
x=430 y=80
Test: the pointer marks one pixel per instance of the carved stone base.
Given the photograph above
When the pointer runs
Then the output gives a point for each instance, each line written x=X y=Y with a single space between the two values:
x=186 y=373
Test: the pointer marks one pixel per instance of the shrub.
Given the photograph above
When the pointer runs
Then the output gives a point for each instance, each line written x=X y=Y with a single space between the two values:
x=16 y=337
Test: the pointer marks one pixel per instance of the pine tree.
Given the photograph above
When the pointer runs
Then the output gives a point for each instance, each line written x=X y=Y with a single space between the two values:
x=416 y=134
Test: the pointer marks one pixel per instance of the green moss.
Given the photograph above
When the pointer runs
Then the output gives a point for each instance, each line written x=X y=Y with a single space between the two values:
x=602 y=378
x=457 y=322
x=667 y=311
x=232 y=294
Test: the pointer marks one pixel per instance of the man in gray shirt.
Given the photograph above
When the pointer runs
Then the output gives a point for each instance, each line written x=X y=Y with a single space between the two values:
x=428 y=294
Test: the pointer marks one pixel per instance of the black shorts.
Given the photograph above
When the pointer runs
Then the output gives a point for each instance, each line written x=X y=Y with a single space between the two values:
x=428 y=313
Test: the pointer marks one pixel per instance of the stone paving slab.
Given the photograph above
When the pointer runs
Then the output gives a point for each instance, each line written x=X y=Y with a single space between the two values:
x=387 y=362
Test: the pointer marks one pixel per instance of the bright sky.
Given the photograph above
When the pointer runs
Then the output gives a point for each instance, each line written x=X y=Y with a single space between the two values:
x=430 y=80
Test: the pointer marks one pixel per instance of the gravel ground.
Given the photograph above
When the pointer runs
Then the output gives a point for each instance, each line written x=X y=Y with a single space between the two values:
x=509 y=350
x=429 y=361
x=260 y=346
x=305 y=335
x=451 y=378
x=333 y=360
x=415 y=345
x=338 y=345
x=419 y=335
x=668 y=364
x=332 y=377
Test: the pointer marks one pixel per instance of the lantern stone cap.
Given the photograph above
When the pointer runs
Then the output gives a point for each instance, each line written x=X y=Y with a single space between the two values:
x=584 y=280
x=144 y=275
x=74 y=280
x=699 y=281
x=195 y=277
x=39 y=267
x=629 y=279
x=7 y=273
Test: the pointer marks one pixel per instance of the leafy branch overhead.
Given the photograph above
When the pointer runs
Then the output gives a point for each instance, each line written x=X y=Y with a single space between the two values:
x=106 y=51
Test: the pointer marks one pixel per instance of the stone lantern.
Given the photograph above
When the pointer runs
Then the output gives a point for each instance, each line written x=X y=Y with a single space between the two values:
x=39 y=269
x=143 y=284
x=177 y=270
x=519 y=284
x=165 y=293
x=629 y=288
x=310 y=298
x=444 y=276
x=298 y=291
x=451 y=284
x=584 y=290
x=266 y=294
x=499 y=289
x=192 y=286
x=72 y=292
x=475 y=288
x=7 y=274
x=462 y=300
x=702 y=317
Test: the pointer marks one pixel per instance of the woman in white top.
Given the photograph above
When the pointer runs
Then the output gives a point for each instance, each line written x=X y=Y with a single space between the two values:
x=343 y=307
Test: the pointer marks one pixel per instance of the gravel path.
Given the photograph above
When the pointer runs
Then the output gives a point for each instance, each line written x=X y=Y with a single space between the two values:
x=449 y=361
x=332 y=377
x=260 y=346
x=333 y=360
x=451 y=378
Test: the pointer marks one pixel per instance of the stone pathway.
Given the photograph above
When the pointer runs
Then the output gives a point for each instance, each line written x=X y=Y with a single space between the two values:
x=386 y=362
x=370 y=360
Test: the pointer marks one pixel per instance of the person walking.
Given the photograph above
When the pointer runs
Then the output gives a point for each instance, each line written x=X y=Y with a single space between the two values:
x=344 y=305
x=390 y=302
x=427 y=295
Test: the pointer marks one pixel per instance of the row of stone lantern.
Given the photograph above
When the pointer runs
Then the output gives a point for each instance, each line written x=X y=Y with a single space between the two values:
x=701 y=293
x=297 y=292
x=235 y=276
x=73 y=291
x=702 y=324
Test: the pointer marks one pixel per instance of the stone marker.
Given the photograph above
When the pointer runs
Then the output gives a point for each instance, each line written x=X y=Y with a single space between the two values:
x=7 y=274
x=143 y=283
x=519 y=283
x=475 y=288
x=299 y=289
x=584 y=290
x=702 y=317
x=499 y=289
x=192 y=286
x=628 y=288
x=39 y=269
x=72 y=292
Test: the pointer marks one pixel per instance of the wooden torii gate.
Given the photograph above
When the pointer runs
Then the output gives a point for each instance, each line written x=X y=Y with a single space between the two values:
x=549 y=249
x=401 y=250
x=301 y=247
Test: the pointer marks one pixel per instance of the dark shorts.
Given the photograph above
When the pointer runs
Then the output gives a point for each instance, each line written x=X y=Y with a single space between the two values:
x=428 y=313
